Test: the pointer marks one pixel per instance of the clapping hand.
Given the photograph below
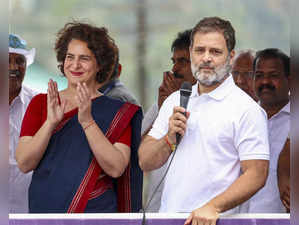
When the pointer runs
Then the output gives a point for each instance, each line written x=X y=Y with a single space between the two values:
x=55 y=111
x=83 y=99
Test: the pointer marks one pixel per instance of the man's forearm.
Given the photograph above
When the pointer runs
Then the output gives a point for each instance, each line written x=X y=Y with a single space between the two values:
x=243 y=188
x=153 y=153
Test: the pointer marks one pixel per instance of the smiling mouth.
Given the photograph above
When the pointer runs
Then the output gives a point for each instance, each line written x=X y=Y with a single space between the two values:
x=76 y=74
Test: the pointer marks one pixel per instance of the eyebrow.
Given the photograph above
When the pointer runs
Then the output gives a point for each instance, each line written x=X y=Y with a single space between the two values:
x=81 y=56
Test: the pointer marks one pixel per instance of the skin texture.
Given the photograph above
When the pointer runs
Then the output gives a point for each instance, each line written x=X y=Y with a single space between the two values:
x=80 y=68
x=209 y=49
x=17 y=64
x=243 y=73
x=209 y=52
x=271 y=84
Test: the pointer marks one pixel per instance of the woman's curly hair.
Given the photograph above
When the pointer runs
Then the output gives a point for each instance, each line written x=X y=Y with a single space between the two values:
x=98 y=41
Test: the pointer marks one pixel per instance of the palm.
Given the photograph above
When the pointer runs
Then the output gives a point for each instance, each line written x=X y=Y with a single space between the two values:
x=55 y=110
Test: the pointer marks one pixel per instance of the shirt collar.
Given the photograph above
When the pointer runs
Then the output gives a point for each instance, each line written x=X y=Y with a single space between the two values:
x=19 y=97
x=285 y=109
x=218 y=93
x=22 y=95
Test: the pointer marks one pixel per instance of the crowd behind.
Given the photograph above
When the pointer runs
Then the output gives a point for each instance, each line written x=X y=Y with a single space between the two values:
x=87 y=148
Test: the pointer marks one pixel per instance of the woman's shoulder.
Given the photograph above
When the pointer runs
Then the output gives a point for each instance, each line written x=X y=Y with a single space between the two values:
x=39 y=99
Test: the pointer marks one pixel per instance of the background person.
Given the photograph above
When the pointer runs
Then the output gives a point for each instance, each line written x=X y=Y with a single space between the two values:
x=271 y=84
x=19 y=97
x=242 y=71
x=172 y=81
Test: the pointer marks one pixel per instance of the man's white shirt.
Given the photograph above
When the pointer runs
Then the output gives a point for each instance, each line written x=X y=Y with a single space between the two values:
x=18 y=181
x=279 y=128
x=225 y=127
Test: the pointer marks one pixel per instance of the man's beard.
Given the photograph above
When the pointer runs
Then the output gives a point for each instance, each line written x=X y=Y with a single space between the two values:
x=209 y=79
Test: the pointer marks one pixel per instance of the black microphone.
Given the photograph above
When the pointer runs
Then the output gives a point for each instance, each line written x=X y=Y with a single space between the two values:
x=185 y=93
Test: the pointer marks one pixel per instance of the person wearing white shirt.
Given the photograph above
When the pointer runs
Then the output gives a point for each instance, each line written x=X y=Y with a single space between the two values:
x=180 y=72
x=19 y=98
x=224 y=132
x=271 y=84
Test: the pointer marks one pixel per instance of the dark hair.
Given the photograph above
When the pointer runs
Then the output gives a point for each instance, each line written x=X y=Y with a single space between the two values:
x=182 y=40
x=211 y=24
x=98 y=41
x=115 y=67
x=270 y=53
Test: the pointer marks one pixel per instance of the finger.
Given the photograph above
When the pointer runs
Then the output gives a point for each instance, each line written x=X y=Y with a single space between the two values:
x=194 y=221
x=179 y=124
x=179 y=109
x=213 y=222
x=180 y=116
x=77 y=100
x=85 y=91
x=56 y=93
x=188 y=220
x=178 y=130
x=63 y=105
x=79 y=93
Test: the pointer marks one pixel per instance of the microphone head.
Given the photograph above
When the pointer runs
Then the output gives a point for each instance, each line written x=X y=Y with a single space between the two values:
x=186 y=89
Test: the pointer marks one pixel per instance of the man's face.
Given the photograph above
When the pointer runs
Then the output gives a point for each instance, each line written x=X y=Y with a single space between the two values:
x=182 y=66
x=210 y=59
x=17 y=69
x=271 y=84
x=243 y=73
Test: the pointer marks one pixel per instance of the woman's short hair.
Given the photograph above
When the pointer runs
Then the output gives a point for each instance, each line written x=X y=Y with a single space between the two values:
x=98 y=41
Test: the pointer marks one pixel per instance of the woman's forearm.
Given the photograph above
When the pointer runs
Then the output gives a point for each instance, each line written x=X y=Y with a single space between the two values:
x=31 y=149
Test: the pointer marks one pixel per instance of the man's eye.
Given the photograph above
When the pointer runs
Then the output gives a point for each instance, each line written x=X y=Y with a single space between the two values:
x=199 y=50
x=274 y=75
x=20 y=61
x=258 y=75
x=216 y=52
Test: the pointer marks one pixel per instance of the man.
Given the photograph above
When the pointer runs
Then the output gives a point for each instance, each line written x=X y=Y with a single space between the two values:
x=242 y=71
x=271 y=84
x=116 y=89
x=283 y=175
x=223 y=131
x=172 y=80
x=19 y=98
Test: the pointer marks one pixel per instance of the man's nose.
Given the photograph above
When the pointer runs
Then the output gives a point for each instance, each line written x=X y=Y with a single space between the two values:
x=265 y=79
x=207 y=57
x=240 y=79
x=175 y=67
x=12 y=65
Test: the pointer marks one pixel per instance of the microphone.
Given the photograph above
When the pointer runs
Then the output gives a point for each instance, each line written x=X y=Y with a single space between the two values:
x=185 y=93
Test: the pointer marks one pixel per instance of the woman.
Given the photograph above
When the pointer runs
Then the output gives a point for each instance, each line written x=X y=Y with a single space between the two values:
x=77 y=140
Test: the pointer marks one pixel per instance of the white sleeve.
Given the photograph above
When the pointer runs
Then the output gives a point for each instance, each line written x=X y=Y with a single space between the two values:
x=149 y=118
x=251 y=135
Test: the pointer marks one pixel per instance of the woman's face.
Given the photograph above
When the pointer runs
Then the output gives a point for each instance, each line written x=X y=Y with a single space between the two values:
x=80 y=64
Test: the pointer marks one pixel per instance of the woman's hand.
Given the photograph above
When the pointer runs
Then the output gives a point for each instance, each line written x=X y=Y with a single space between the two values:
x=83 y=99
x=55 y=111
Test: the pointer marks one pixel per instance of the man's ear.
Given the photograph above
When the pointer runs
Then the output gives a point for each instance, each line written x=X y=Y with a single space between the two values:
x=232 y=55
x=119 y=69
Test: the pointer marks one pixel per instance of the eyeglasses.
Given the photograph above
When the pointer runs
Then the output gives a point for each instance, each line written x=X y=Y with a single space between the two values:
x=248 y=74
